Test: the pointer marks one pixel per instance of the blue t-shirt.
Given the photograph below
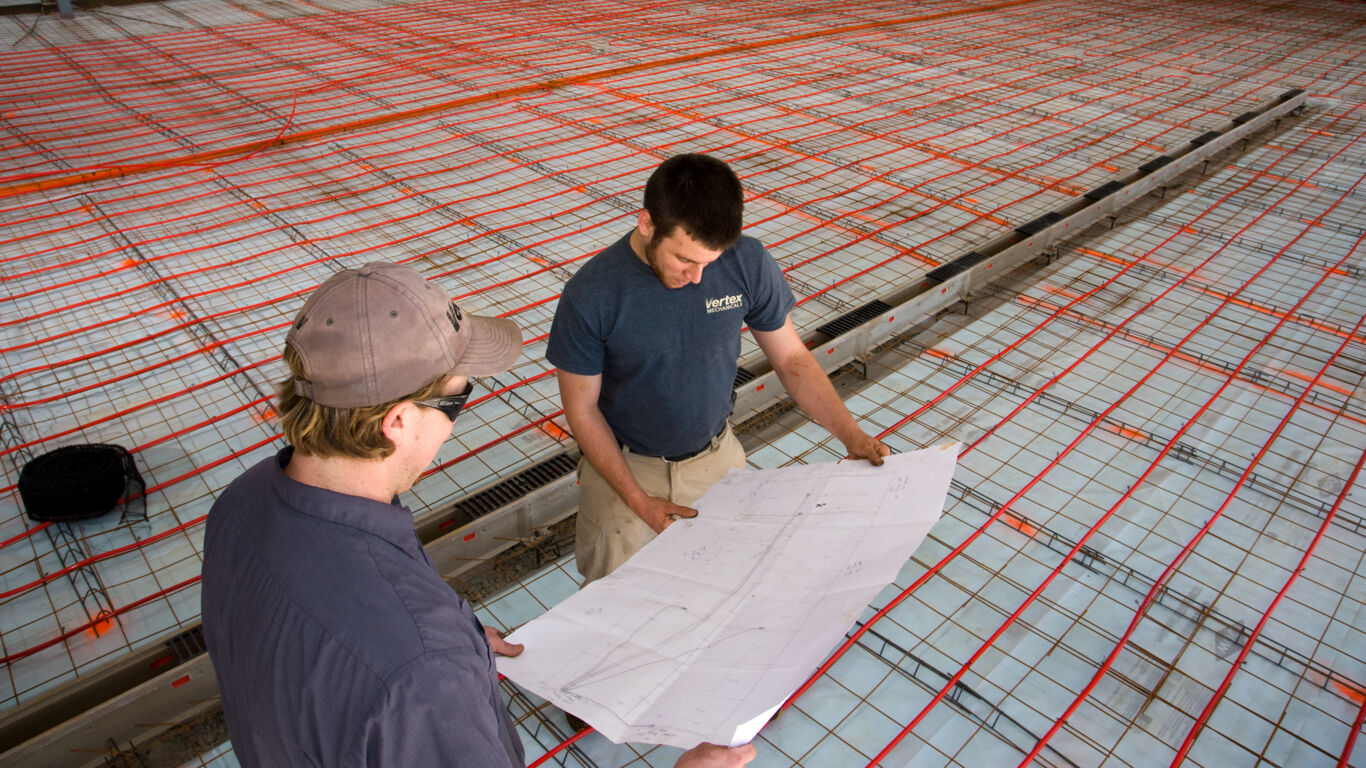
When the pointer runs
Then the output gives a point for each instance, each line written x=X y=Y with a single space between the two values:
x=335 y=641
x=667 y=356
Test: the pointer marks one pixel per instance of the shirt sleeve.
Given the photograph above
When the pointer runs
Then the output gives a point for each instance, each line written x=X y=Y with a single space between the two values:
x=438 y=710
x=576 y=343
x=771 y=298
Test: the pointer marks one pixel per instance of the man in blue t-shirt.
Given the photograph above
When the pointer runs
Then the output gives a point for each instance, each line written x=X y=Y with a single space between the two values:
x=647 y=338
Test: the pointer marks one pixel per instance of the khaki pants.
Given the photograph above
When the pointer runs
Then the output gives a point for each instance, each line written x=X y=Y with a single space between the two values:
x=608 y=532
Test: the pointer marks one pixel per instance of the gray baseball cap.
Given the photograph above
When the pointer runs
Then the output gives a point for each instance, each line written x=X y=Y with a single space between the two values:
x=369 y=336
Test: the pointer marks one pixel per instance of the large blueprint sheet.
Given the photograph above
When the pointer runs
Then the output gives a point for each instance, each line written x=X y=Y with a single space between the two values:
x=706 y=631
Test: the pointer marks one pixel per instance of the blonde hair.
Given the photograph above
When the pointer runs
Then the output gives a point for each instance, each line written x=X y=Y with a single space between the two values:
x=318 y=430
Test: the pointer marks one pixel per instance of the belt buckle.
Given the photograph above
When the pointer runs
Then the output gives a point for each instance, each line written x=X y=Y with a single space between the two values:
x=681 y=458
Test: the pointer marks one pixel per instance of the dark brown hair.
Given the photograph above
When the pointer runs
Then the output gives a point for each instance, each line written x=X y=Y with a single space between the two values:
x=700 y=194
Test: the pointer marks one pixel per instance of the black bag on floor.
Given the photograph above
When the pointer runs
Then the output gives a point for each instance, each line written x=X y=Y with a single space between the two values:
x=79 y=482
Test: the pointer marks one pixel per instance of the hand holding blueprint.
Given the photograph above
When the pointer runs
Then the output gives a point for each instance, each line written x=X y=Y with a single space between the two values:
x=706 y=631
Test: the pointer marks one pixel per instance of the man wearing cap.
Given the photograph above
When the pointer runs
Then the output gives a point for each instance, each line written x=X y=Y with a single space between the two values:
x=334 y=640
x=646 y=338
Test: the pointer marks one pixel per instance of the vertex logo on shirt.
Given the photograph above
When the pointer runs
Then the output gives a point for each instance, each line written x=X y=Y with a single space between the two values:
x=725 y=303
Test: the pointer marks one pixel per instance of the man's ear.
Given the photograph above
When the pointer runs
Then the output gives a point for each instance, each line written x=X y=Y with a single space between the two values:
x=399 y=420
x=645 y=225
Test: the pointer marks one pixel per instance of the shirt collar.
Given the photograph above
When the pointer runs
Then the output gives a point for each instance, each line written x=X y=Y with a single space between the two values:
x=392 y=522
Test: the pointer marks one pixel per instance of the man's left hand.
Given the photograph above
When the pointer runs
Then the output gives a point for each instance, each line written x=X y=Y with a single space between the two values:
x=501 y=646
x=866 y=446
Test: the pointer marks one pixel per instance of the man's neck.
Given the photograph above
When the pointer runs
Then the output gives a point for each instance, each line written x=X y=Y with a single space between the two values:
x=366 y=478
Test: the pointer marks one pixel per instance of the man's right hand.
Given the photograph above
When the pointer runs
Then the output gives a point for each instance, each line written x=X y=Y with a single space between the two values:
x=659 y=513
x=706 y=755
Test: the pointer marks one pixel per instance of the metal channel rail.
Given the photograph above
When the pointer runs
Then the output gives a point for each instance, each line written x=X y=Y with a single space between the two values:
x=171 y=681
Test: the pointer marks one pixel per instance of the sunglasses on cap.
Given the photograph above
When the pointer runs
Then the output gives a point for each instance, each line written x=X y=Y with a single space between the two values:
x=450 y=404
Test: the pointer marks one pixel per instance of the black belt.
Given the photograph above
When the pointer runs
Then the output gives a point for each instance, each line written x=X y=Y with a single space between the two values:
x=689 y=454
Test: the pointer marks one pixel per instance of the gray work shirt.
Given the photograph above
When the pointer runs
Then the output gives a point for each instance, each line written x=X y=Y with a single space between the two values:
x=335 y=641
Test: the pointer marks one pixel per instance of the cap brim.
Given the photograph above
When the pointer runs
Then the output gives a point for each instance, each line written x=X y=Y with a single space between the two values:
x=495 y=343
